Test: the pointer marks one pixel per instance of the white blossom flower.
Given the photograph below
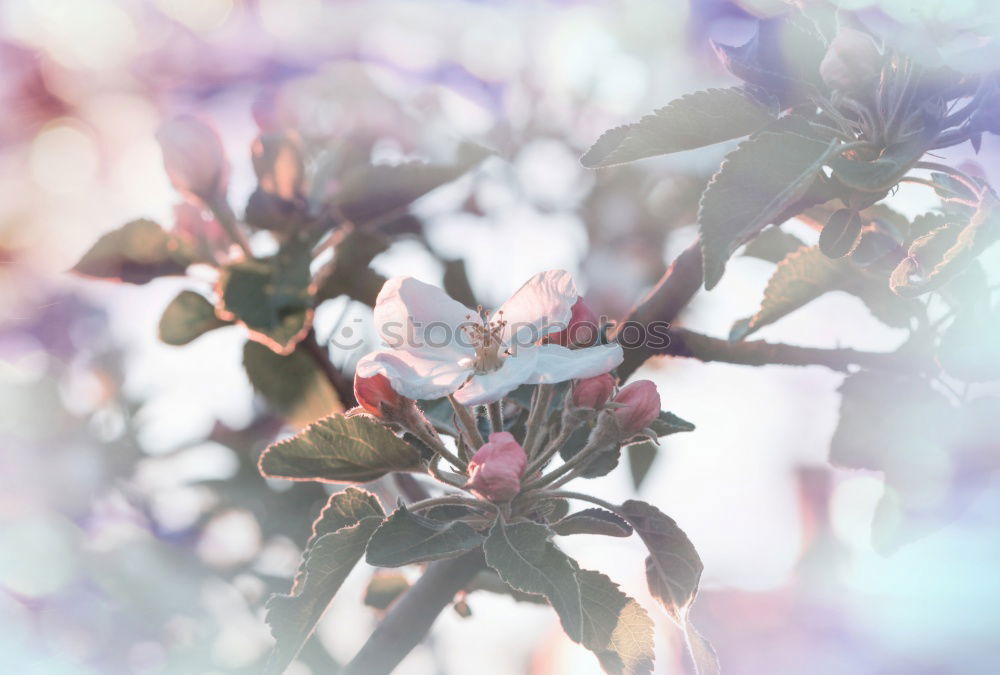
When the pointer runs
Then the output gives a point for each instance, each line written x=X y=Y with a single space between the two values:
x=437 y=346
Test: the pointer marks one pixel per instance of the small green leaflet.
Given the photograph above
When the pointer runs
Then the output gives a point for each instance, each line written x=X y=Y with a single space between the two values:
x=593 y=521
x=526 y=560
x=405 y=537
x=384 y=588
x=339 y=449
x=757 y=182
x=692 y=121
x=136 y=253
x=188 y=316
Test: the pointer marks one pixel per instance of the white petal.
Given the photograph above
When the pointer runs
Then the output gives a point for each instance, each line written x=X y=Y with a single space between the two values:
x=540 y=306
x=558 y=364
x=493 y=386
x=415 y=374
x=411 y=315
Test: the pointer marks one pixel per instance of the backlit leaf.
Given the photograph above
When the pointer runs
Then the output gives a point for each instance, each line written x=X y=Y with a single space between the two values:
x=615 y=627
x=405 y=537
x=525 y=558
x=758 y=181
x=692 y=121
x=340 y=449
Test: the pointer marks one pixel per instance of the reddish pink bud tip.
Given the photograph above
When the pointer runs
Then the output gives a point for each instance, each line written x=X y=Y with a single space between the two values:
x=641 y=403
x=194 y=158
x=582 y=329
x=593 y=392
x=495 y=470
x=376 y=394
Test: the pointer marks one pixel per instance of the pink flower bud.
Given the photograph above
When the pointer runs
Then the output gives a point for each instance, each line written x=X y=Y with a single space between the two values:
x=852 y=61
x=376 y=395
x=194 y=158
x=593 y=392
x=582 y=329
x=495 y=470
x=641 y=404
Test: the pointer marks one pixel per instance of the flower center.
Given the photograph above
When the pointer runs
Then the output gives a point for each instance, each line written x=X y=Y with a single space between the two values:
x=487 y=339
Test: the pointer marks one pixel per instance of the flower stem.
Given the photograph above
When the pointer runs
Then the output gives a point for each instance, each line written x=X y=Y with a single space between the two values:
x=536 y=416
x=550 y=450
x=567 y=494
x=496 y=416
x=468 y=423
x=571 y=468
x=452 y=499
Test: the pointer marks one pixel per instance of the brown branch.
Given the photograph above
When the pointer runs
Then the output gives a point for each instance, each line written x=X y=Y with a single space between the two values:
x=662 y=304
x=685 y=343
x=411 y=617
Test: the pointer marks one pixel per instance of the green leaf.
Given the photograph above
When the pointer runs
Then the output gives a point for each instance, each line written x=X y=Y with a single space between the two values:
x=384 y=588
x=188 y=316
x=808 y=274
x=840 y=234
x=345 y=508
x=406 y=537
x=135 y=253
x=349 y=272
x=884 y=172
x=673 y=568
x=757 y=182
x=668 y=423
x=937 y=257
x=272 y=298
x=640 y=460
x=702 y=654
x=593 y=521
x=526 y=560
x=615 y=627
x=293 y=385
x=342 y=509
x=340 y=449
x=293 y=618
x=692 y=121
x=772 y=245
x=375 y=193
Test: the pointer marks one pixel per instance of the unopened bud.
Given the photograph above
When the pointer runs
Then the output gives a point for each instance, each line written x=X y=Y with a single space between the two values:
x=376 y=395
x=582 y=329
x=639 y=405
x=496 y=468
x=593 y=392
x=852 y=61
x=194 y=158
